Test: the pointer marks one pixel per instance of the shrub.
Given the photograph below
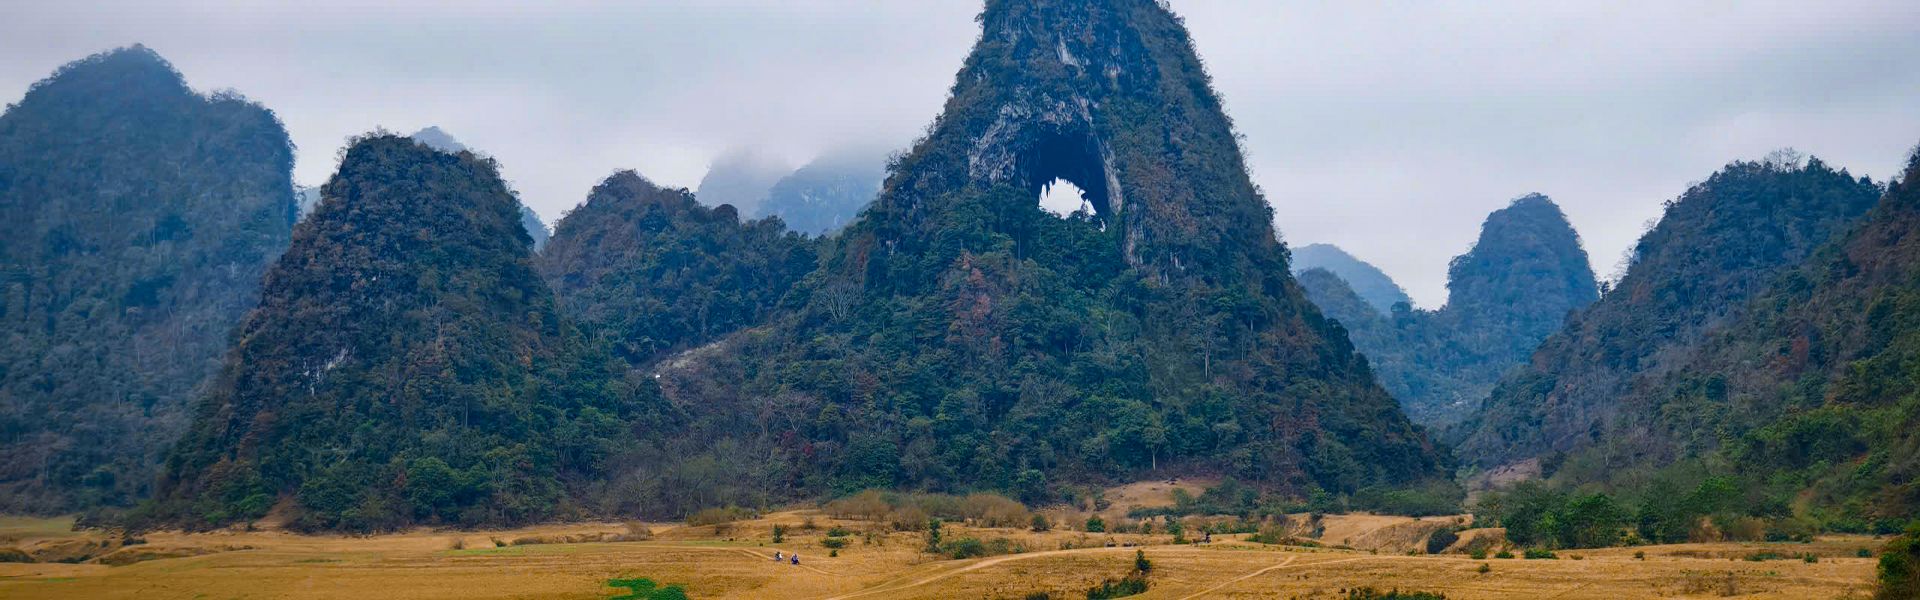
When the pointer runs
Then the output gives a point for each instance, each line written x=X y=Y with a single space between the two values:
x=1118 y=588
x=1440 y=540
x=779 y=533
x=1478 y=554
x=834 y=543
x=964 y=548
x=1140 y=562
x=1484 y=567
x=838 y=531
x=1639 y=555
x=1096 y=525
x=1503 y=554
x=1900 y=566
x=1039 y=523
x=1539 y=554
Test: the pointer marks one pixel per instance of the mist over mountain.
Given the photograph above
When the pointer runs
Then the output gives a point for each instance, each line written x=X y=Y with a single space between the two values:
x=1515 y=286
x=136 y=217
x=741 y=177
x=406 y=334
x=827 y=193
x=1373 y=285
x=1717 y=246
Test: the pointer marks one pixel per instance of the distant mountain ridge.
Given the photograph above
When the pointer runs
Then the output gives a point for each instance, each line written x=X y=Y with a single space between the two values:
x=1369 y=282
x=827 y=193
x=1524 y=274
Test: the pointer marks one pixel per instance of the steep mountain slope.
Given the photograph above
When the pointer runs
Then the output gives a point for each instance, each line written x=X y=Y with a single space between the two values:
x=828 y=193
x=1810 y=399
x=438 y=139
x=1717 y=246
x=405 y=365
x=959 y=337
x=1373 y=285
x=136 y=218
x=652 y=270
x=741 y=177
x=1513 y=289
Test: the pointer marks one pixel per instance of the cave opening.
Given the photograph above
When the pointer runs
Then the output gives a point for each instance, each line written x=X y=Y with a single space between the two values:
x=1064 y=171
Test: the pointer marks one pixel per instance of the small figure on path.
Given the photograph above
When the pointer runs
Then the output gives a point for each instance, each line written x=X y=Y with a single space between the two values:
x=796 y=558
x=776 y=556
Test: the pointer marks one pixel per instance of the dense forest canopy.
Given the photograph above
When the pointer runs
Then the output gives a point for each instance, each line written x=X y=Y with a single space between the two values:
x=405 y=365
x=1808 y=400
x=1515 y=287
x=136 y=217
x=651 y=270
x=959 y=337
x=1716 y=247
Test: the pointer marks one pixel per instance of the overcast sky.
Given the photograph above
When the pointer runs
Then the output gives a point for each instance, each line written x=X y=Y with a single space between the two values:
x=1390 y=129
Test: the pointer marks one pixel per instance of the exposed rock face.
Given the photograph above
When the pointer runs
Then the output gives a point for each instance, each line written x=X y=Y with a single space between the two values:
x=957 y=335
x=1373 y=285
x=136 y=217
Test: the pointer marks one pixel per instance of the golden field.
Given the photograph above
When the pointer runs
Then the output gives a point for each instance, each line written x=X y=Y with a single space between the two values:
x=735 y=561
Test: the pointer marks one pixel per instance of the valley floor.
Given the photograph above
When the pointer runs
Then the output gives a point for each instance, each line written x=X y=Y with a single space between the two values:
x=736 y=562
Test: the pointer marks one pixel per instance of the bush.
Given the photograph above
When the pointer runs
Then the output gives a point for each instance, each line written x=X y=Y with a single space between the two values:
x=964 y=548
x=1503 y=554
x=834 y=543
x=779 y=533
x=838 y=531
x=1900 y=566
x=1096 y=525
x=1484 y=567
x=1040 y=524
x=1118 y=588
x=1539 y=554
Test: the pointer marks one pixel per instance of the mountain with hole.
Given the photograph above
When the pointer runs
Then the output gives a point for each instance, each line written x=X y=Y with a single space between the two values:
x=958 y=336
x=136 y=218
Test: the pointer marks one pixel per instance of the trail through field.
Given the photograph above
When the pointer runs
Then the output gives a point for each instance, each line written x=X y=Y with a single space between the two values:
x=890 y=586
x=1275 y=567
x=752 y=553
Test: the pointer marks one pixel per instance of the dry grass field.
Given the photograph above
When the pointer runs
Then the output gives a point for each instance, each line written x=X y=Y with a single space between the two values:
x=735 y=561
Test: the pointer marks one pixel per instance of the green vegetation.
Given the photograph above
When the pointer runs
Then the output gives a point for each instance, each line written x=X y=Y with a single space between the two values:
x=1441 y=540
x=136 y=218
x=958 y=338
x=826 y=194
x=1515 y=287
x=1368 y=282
x=652 y=271
x=1538 y=515
x=405 y=330
x=1900 y=567
x=1715 y=248
x=641 y=588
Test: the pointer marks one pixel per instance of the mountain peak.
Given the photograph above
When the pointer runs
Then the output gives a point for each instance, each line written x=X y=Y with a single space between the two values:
x=1366 y=280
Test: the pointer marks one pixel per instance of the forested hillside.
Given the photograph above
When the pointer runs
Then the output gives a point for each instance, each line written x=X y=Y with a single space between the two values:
x=136 y=217
x=651 y=270
x=406 y=365
x=1717 y=246
x=1373 y=285
x=959 y=337
x=1516 y=286
x=1808 y=402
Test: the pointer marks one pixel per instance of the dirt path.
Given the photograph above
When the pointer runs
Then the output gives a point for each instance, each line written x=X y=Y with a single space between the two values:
x=890 y=586
x=748 y=552
x=1275 y=567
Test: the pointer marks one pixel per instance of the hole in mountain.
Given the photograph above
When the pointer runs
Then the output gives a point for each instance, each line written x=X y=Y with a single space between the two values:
x=1063 y=198
x=1064 y=171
